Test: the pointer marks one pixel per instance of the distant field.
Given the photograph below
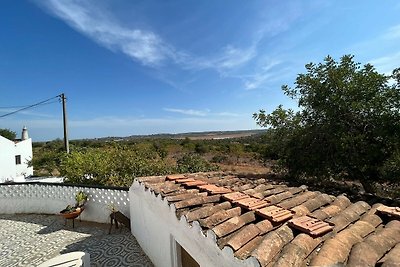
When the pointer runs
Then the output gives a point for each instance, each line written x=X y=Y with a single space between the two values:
x=210 y=135
x=216 y=136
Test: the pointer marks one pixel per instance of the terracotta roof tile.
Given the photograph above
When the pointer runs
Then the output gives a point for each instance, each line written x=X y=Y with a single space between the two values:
x=317 y=202
x=196 y=201
x=295 y=253
x=336 y=250
x=184 y=196
x=184 y=180
x=220 y=217
x=351 y=214
x=390 y=211
x=275 y=214
x=311 y=226
x=194 y=183
x=391 y=259
x=272 y=244
x=297 y=200
x=251 y=203
x=243 y=236
x=245 y=251
x=172 y=177
x=233 y=224
x=235 y=196
x=340 y=203
x=265 y=226
x=361 y=234
x=207 y=211
x=375 y=246
x=273 y=199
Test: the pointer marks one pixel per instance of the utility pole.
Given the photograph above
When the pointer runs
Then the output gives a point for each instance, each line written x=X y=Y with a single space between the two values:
x=66 y=143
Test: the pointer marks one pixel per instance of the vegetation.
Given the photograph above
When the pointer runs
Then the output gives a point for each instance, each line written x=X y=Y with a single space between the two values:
x=7 y=133
x=347 y=125
x=118 y=162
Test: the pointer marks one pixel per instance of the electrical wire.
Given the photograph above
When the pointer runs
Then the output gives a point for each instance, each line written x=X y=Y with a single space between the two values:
x=44 y=102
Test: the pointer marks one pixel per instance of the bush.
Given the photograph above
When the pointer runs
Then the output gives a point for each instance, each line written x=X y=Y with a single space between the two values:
x=194 y=163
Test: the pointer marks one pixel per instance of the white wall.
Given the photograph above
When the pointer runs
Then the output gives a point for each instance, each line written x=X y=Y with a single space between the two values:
x=156 y=228
x=8 y=169
x=23 y=148
x=7 y=159
x=51 y=199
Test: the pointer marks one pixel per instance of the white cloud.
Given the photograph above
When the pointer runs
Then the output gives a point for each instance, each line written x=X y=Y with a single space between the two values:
x=387 y=64
x=202 y=113
x=191 y=112
x=4 y=111
x=87 y=18
x=147 y=47
x=393 y=32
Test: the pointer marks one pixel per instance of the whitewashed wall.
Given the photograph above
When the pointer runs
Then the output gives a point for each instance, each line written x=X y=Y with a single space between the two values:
x=157 y=230
x=23 y=148
x=51 y=199
x=7 y=159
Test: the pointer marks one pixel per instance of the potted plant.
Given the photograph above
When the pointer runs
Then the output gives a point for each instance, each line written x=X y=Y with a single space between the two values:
x=71 y=212
x=81 y=198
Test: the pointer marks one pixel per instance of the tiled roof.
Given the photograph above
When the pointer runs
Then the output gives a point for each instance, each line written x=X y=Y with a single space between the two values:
x=281 y=225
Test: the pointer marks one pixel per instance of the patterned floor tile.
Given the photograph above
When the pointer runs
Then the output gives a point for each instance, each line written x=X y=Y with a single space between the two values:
x=30 y=239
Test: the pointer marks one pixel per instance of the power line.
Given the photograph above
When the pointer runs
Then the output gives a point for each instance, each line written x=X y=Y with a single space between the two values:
x=44 y=102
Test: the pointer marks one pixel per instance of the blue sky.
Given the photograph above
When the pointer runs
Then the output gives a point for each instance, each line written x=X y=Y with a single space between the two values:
x=145 y=67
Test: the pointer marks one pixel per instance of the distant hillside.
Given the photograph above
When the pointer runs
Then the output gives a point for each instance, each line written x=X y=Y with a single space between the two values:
x=192 y=135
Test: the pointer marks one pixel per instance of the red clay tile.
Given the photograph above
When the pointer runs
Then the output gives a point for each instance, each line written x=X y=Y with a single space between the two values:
x=391 y=211
x=213 y=189
x=275 y=214
x=311 y=226
x=234 y=196
x=195 y=183
x=251 y=203
x=175 y=176
x=184 y=180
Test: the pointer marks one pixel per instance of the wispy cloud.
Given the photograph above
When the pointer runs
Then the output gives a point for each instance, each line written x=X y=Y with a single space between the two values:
x=85 y=17
x=266 y=72
x=388 y=63
x=202 y=113
x=25 y=112
x=190 y=112
x=393 y=32
x=147 y=47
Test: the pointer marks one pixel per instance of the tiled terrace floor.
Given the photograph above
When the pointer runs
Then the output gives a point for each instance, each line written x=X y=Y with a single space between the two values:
x=30 y=239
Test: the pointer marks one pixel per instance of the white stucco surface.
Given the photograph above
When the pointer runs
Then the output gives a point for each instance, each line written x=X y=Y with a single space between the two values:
x=9 y=171
x=7 y=159
x=24 y=148
x=51 y=199
x=156 y=228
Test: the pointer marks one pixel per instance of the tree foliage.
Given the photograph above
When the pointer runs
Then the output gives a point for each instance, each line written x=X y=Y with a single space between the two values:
x=9 y=134
x=347 y=125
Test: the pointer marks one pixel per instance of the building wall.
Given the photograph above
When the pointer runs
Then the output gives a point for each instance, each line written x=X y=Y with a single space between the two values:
x=157 y=229
x=23 y=148
x=51 y=199
x=7 y=160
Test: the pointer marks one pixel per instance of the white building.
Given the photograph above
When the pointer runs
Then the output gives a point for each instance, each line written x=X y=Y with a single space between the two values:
x=14 y=158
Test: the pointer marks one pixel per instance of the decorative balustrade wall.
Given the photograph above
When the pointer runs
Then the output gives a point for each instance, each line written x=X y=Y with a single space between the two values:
x=52 y=198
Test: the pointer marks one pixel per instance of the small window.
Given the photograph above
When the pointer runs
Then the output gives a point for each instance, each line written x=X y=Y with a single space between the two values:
x=186 y=260
x=18 y=159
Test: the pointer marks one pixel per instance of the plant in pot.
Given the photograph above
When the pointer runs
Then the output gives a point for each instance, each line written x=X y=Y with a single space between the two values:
x=74 y=211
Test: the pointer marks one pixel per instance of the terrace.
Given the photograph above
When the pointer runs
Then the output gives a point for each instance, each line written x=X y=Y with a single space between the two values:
x=201 y=219
x=31 y=234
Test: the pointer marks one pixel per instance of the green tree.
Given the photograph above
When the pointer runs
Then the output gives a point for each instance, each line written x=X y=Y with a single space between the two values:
x=347 y=126
x=7 y=133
